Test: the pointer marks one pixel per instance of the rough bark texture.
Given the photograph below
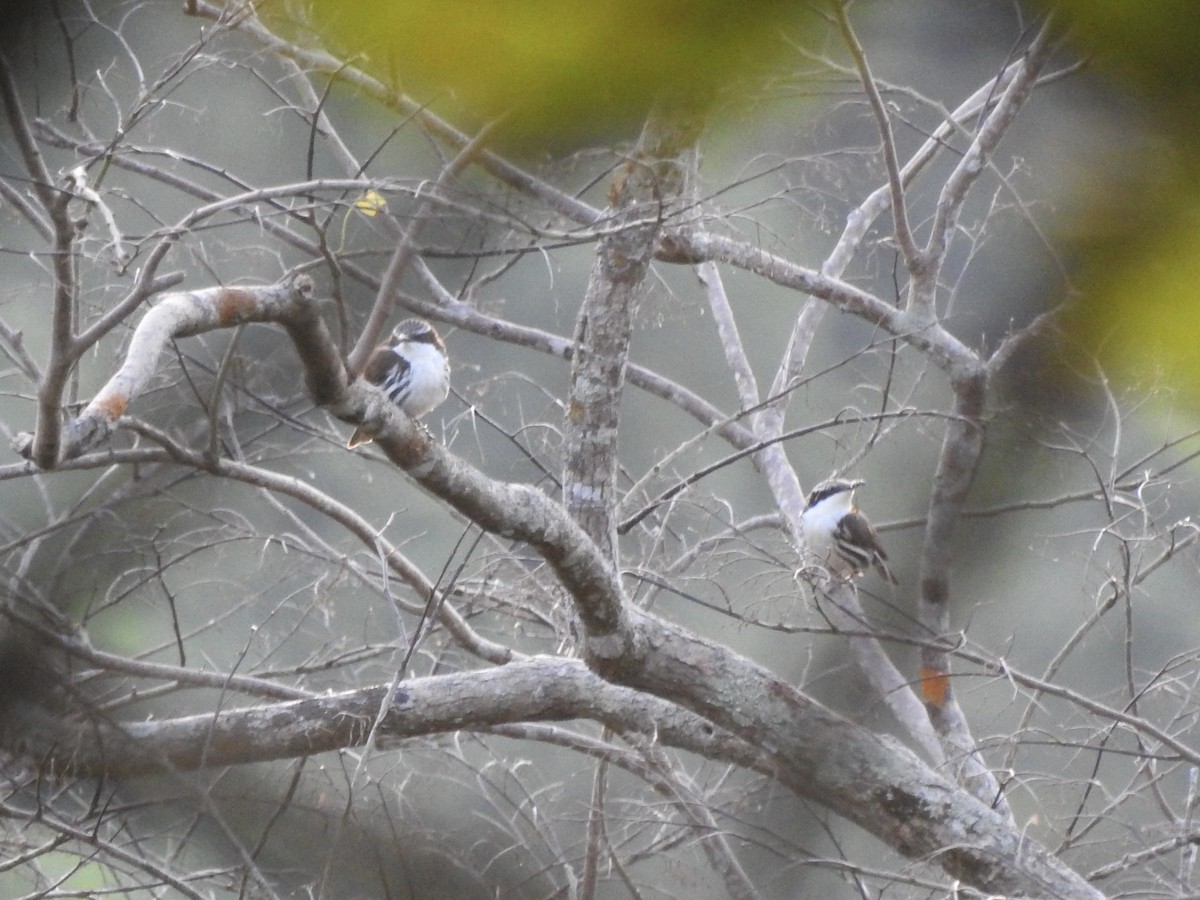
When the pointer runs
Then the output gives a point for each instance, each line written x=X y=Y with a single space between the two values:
x=870 y=779
x=643 y=198
x=648 y=679
x=176 y=315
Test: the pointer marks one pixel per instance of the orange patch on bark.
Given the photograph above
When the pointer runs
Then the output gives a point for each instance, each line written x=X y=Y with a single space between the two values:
x=935 y=686
x=234 y=305
x=114 y=406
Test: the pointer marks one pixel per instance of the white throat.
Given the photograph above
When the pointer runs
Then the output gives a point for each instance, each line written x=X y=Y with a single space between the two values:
x=818 y=523
x=829 y=512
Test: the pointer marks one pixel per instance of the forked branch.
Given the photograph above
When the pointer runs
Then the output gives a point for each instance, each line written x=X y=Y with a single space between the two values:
x=817 y=753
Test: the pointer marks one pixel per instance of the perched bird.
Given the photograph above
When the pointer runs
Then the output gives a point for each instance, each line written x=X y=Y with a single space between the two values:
x=413 y=370
x=837 y=536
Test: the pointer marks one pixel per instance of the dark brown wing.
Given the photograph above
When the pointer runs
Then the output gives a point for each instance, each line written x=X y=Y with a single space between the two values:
x=381 y=361
x=856 y=530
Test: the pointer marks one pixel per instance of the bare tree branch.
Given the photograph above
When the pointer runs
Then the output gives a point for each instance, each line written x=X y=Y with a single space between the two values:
x=623 y=645
x=644 y=195
x=963 y=443
x=536 y=690
x=54 y=202
x=176 y=315
x=895 y=178
x=235 y=588
x=406 y=248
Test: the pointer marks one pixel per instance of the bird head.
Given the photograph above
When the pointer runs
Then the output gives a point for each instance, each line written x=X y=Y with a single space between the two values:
x=417 y=331
x=841 y=488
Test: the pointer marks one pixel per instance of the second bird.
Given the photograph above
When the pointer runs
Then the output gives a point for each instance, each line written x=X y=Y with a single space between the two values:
x=413 y=370
x=837 y=536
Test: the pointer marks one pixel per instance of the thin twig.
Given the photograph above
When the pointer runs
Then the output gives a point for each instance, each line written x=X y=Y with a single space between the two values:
x=913 y=258
x=406 y=248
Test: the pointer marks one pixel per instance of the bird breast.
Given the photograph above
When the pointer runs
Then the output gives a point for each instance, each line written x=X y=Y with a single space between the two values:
x=427 y=377
x=818 y=524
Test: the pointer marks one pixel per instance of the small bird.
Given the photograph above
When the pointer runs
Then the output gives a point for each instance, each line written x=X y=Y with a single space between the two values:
x=413 y=370
x=837 y=536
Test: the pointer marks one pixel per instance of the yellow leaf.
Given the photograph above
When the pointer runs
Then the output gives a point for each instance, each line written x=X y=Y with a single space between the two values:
x=371 y=203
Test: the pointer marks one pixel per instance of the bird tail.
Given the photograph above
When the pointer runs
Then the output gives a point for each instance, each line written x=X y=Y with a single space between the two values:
x=359 y=437
x=881 y=567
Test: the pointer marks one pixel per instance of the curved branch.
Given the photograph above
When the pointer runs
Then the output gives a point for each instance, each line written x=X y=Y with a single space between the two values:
x=178 y=314
x=540 y=689
x=946 y=351
x=868 y=778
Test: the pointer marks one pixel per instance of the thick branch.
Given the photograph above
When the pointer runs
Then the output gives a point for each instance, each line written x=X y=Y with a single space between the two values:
x=964 y=440
x=178 y=314
x=962 y=448
x=945 y=350
x=534 y=690
x=869 y=779
x=644 y=194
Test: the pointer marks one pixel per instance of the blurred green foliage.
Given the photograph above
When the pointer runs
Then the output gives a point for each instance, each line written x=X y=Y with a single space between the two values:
x=1137 y=235
x=560 y=73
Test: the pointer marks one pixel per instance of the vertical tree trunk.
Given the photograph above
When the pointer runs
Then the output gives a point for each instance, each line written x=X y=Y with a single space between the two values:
x=647 y=193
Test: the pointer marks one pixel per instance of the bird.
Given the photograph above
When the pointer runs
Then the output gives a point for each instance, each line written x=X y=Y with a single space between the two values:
x=837 y=536
x=413 y=370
